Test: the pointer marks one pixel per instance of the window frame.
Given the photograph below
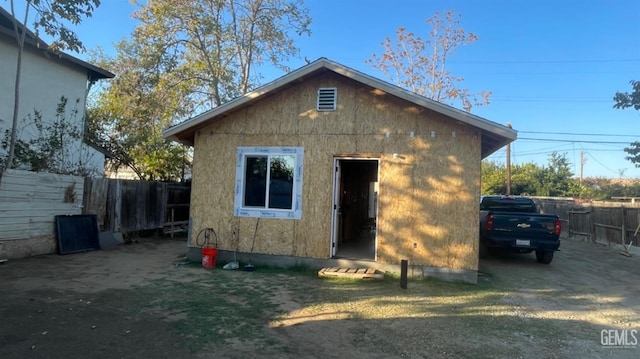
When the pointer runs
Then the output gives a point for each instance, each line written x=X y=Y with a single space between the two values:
x=240 y=210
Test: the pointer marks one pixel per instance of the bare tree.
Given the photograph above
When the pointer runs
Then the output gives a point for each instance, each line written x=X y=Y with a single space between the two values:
x=420 y=65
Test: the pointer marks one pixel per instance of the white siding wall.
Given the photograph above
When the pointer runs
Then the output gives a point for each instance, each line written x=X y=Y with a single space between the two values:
x=42 y=83
x=30 y=200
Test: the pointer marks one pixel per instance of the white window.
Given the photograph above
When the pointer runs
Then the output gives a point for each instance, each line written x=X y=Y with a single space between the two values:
x=269 y=182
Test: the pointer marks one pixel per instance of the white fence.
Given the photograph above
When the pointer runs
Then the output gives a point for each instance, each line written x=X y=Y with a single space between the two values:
x=30 y=200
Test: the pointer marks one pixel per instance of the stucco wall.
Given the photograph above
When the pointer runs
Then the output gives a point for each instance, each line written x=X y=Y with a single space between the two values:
x=43 y=81
x=428 y=195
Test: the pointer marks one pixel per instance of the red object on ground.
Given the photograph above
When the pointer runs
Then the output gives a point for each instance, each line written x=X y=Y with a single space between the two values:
x=209 y=257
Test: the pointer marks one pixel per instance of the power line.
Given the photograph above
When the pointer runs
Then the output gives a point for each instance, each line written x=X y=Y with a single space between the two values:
x=488 y=62
x=577 y=134
x=499 y=155
x=541 y=152
x=570 y=141
x=600 y=163
x=552 y=98
x=532 y=99
x=555 y=73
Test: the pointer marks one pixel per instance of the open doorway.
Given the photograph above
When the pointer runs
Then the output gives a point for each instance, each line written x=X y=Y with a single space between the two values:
x=355 y=208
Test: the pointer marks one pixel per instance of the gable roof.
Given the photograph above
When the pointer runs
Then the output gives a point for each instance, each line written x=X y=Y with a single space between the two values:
x=494 y=135
x=36 y=43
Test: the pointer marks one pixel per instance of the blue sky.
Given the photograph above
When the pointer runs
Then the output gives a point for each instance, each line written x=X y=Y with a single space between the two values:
x=553 y=66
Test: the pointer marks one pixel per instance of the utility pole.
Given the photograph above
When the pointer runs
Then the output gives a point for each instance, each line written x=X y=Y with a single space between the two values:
x=508 y=165
x=581 y=165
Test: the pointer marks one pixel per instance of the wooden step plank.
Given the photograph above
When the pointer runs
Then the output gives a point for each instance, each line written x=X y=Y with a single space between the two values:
x=355 y=273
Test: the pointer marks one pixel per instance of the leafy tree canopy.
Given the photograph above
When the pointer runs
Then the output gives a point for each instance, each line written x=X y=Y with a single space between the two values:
x=554 y=180
x=625 y=100
x=628 y=99
x=186 y=56
x=530 y=179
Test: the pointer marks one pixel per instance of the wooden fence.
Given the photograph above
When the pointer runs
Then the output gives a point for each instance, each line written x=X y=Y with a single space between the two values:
x=30 y=201
x=131 y=206
x=610 y=223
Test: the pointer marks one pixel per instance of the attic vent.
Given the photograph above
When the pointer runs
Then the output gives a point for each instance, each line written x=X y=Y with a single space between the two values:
x=327 y=99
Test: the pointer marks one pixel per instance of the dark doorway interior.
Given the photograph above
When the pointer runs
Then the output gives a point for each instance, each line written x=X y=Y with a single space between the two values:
x=358 y=209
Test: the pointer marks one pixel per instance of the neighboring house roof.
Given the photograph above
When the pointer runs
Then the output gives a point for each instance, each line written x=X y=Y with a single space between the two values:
x=494 y=135
x=35 y=43
x=97 y=147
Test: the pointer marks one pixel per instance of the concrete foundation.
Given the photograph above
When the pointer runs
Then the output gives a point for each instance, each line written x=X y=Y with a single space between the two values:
x=448 y=274
x=27 y=247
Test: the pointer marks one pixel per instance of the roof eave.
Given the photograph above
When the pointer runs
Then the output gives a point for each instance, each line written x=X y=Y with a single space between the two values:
x=33 y=41
x=508 y=135
x=173 y=132
x=444 y=109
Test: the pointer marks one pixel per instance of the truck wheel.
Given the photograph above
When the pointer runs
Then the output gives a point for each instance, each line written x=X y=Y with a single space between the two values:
x=544 y=257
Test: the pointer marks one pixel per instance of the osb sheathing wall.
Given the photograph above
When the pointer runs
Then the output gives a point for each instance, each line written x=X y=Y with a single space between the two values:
x=428 y=195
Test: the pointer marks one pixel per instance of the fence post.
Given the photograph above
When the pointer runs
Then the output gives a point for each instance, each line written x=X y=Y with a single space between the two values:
x=624 y=227
x=86 y=195
x=592 y=224
x=118 y=207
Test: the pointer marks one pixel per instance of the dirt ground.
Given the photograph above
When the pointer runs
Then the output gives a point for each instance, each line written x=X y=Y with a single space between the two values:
x=140 y=300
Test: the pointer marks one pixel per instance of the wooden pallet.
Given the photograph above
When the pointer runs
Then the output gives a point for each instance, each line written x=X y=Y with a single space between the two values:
x=356 y=273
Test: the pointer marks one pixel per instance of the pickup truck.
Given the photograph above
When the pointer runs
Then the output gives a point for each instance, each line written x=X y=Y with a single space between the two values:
x=514 y=224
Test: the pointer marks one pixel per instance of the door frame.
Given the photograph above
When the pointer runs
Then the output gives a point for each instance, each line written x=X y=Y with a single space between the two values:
x=335 y=201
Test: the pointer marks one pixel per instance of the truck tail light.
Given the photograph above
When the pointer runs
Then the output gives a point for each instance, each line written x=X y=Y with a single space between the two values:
x=558 y=227
x=490 y=222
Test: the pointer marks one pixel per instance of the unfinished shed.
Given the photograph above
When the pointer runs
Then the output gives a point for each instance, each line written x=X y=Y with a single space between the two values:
x=328 y=163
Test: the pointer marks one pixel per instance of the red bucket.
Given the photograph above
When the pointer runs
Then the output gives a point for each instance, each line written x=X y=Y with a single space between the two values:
x=209 y=257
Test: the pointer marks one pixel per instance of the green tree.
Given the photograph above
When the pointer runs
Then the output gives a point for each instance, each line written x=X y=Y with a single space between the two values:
x=186 y=56
x=526 y=179
x=530 y=179
x=628 y=99
x=625 y=100
x=420 y=65
x=557 y=177
x=51 y=18
x=127 y=115
x=494 y=178
x=215 y=45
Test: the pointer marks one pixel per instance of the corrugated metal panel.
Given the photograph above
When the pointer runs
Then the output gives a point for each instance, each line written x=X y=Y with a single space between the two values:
x=30 y=200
